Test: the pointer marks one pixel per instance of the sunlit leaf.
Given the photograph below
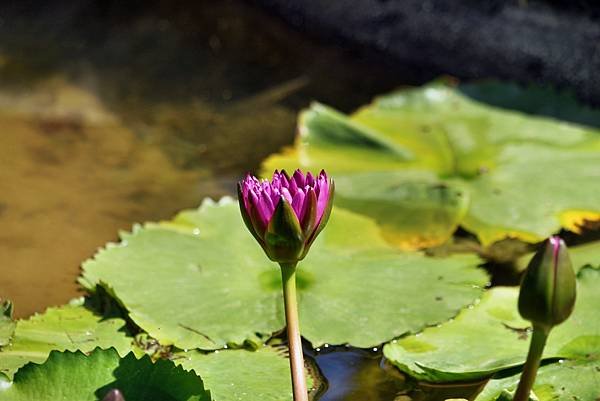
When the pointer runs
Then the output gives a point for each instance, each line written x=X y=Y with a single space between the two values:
x=201 y=281
x=566 y=381
x=70 y=327
x=227 y=374
x=491 y=337
x=503 y=173
x=75 y=376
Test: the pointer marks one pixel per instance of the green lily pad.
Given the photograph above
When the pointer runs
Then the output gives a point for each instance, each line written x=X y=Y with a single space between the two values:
x=491 y=337
x=202 y=281
x=71 y=327
x=565 y=381
x=7 y=324
x=468 y=163
x=79 y=377
x=226 y=373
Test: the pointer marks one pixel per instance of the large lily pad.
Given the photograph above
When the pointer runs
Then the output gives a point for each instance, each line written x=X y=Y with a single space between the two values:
x=575 y=378
x=227 y=374
x=70 y=327
x=467 y=163
x=201 y=281
x=491 y=337
x=566 y=381
x=79 y=377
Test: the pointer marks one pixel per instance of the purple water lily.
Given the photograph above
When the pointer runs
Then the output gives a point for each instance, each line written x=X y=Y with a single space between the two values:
x=288 y=236
x=285 y=216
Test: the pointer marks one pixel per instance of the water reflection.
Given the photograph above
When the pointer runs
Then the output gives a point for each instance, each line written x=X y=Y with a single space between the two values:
x=353 y=374
x=113 y=114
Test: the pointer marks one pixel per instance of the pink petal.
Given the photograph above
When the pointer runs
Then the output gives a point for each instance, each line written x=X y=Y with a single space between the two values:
x=299 y=178
x=286 y=194
x=293 y=187
x=257 y=206
x=284 y=181
x=323 y=198
x=309 y=202
x=268 y=205
x=298 y=204
x=310 y=180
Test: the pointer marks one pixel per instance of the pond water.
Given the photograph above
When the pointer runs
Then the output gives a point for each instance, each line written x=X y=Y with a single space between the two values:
x=112 y=115
x=355 y=374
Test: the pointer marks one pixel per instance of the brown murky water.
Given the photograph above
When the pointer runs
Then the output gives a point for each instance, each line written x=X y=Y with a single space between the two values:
x=111 y=116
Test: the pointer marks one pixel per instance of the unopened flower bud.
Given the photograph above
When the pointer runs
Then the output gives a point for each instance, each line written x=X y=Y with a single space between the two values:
x=286 y=214
x=548 y=288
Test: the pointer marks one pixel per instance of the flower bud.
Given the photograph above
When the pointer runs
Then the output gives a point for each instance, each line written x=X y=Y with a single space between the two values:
x=286 y=214
x=548 y=289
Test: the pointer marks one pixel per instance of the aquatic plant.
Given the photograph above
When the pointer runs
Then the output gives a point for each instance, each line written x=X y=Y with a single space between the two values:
x=546 y=299
x=285 y=216
x=198 y=321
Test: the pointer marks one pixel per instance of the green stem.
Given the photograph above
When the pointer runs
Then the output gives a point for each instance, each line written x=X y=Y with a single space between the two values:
x=288 y=277
x=536 y=348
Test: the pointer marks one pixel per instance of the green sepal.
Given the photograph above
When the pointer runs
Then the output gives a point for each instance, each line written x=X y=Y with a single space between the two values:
x=284 y=238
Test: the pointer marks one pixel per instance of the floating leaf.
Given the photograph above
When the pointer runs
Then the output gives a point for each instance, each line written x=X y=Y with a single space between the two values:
x=482 y=160
x=226 y=374
x=491 y=337
x=76 y=376
x=567 y=381
x=200 y=281
x=70 y=327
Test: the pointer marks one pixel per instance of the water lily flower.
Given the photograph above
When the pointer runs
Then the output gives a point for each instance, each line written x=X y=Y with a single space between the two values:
x=546 y=299
x=285 y=215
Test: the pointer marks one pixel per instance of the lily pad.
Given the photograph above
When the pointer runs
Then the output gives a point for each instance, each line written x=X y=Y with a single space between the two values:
x=76 y=376
x=226 y=374
x=482 y=160
x=491 y=337
x=71 y=327
x=565 y=381
x=201 y=281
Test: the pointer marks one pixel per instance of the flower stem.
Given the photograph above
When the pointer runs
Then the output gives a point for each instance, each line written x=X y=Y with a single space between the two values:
x=536 y=348
x=288 y=277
